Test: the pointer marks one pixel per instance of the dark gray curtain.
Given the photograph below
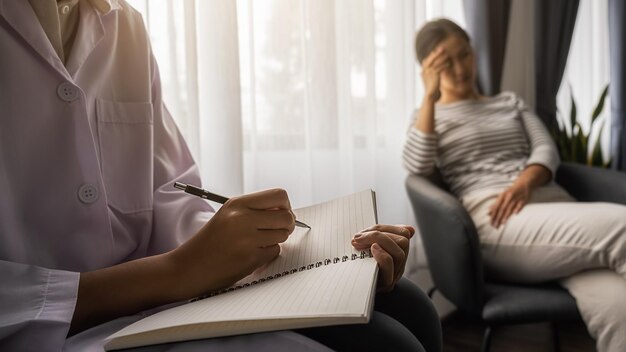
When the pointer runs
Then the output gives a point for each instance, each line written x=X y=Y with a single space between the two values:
x=487 y=25
x=554 y=26
x=617 y=36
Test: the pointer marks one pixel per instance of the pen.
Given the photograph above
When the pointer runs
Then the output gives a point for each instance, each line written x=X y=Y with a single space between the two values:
x=202 y=193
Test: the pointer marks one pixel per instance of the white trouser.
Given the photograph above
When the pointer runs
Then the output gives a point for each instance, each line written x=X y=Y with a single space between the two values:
x=554 y=237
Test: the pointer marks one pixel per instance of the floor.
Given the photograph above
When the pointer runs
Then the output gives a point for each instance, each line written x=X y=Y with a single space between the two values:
x=462 y=335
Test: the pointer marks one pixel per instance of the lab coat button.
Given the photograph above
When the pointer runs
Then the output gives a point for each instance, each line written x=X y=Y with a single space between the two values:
x=67 y=92
x=88 y=193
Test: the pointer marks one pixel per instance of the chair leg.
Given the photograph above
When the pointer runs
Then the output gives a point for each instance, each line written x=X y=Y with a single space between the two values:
x=555 y=337
x=487 y=340
x=431 y=292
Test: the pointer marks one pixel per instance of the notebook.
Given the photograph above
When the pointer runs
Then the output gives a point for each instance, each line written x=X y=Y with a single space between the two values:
x=318 y=279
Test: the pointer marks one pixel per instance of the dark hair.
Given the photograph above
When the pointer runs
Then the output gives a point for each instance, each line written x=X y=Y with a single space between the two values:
x=433 y=33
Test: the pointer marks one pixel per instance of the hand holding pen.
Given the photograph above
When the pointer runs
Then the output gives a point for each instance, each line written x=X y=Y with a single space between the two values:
x=202 y=193
x=243 y=235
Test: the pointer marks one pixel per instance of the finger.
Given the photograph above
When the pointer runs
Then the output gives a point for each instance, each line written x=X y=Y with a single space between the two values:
x=498 y=213
x=271 y=219
x=267 y=199
x=437 y=53
x=494 y=206
x=508 y=212
x=266 y=238
x=402 y=242
x=400 y=261
x=385 y=268
x=267 y=254
x=497 y=217
x=504 y=206
x=436 y=68
x=402 y=230
x=426 y=62
x=441 y=67
x=493 y=210
x=442 y=59
x=519 y=207
x=395 y=245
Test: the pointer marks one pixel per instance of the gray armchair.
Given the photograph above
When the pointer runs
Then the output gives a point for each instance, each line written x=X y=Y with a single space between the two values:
x=453 y=252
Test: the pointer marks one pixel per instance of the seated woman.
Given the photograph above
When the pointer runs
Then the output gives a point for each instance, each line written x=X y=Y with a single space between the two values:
x=500 y=161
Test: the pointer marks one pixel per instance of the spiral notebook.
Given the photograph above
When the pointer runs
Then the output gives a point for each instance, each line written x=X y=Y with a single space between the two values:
x=318 y=279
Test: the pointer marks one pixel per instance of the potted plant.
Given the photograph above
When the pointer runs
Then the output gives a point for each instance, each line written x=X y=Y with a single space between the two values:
x=573 y=143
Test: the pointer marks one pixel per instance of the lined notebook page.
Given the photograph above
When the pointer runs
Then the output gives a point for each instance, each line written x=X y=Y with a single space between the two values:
x=310 y=298
x=333 y=224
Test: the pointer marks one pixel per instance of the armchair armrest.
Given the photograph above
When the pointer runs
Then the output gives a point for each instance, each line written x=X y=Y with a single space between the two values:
x=592 y=184
x=450 y=243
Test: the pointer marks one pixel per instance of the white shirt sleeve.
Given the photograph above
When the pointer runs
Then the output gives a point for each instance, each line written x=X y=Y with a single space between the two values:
x=177 y=215
x=36 y=304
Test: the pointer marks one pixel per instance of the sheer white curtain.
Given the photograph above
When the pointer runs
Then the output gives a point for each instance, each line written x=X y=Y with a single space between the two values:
x=588 y=70
x=313 y=96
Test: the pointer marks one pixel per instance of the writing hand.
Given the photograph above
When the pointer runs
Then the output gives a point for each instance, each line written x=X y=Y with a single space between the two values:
x=509 y=202
x=390 y=246
x=242 y=236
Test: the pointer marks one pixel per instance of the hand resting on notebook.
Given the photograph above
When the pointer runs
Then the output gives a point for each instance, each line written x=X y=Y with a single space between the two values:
x=390 y=246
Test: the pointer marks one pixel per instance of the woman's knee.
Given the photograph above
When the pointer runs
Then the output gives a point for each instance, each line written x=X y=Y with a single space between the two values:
x=601 y=298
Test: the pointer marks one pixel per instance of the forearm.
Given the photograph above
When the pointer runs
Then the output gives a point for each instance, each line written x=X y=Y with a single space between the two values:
x=535 y=175
x=425 y=121
x=125 y=289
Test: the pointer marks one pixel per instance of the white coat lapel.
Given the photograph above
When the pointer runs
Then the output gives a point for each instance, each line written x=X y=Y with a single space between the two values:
x=90 y=33
x=21 y=17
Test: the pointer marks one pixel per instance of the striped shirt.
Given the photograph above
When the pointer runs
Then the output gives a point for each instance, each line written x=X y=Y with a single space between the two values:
x=480 y=144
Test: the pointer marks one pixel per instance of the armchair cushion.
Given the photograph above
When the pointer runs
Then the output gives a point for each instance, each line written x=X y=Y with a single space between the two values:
x=513 y=304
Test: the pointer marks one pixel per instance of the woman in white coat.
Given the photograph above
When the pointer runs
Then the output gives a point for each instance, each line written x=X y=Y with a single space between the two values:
x=91 y=230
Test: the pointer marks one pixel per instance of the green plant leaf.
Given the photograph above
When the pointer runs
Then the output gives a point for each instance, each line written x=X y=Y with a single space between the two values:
x=579 y=150
x=598 y=110
x=573 y=143
x=572 y=115
x=596 y=155
x=584 y=138
x=564 y=141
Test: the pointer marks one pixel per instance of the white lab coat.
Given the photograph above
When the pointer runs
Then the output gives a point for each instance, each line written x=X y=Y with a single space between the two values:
x=88 y=157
